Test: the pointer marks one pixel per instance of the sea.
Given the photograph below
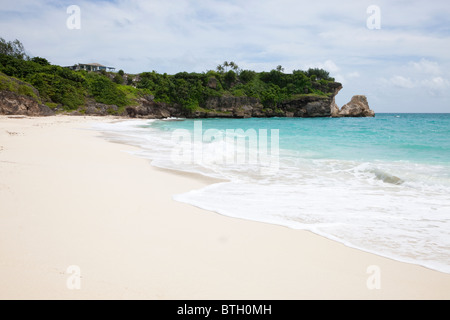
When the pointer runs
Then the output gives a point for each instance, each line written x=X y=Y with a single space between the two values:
x=378 y=184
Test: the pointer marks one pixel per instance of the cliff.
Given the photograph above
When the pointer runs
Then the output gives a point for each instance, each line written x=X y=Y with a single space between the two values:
x=302 y=106
x=15 y=104
x=20 y=98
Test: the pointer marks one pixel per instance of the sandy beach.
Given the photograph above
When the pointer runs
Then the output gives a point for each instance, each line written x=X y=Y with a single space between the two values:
x=69 y=198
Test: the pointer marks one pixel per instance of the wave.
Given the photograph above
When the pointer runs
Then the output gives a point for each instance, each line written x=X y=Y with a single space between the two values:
x=387 y=178
x=397 y=209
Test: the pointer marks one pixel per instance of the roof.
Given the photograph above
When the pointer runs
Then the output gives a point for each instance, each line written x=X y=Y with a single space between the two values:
x=92 y=64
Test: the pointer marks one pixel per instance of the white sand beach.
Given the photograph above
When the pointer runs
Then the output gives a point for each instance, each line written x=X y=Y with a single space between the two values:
x=68 y=198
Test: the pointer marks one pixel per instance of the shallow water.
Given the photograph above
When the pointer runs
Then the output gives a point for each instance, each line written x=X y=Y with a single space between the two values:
x=378 y=184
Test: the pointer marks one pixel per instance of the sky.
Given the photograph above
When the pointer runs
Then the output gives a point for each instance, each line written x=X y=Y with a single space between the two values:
x=397 y=53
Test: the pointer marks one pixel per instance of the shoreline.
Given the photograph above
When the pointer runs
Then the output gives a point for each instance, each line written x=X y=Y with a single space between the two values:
x=112 y=213
x=117 y=137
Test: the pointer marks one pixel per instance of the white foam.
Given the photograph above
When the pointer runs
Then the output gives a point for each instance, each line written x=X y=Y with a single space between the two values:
x=357 y=203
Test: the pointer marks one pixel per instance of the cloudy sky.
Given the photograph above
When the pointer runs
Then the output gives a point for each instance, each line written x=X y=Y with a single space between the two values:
x=402 y=65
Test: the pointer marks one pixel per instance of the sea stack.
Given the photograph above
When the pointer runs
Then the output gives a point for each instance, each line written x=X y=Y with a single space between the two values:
x=357 y=107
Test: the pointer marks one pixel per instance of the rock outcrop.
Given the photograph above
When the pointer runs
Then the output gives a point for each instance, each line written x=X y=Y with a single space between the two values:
x=147 y=108
x=357 y=107
x=12 y=103
x=229 y=107
x=93 y=108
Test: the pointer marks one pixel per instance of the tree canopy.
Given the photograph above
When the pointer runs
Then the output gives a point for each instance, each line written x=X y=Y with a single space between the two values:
x=12 y=48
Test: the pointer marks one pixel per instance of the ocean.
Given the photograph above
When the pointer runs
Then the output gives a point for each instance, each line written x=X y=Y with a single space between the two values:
x=379 y=184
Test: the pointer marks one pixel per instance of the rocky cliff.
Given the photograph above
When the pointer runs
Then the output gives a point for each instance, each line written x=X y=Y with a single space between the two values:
x=303 y=106
x=146 y=107
x=12 y=103
x=15 y=102
x=20 y=98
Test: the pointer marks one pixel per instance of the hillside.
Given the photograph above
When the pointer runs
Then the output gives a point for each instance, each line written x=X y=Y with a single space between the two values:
x=227 y=91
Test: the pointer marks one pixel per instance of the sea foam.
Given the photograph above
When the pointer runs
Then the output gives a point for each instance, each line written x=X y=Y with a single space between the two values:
x=378 y=197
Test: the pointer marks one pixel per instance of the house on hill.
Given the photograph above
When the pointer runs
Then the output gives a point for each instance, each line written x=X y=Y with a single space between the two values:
x=91 y=67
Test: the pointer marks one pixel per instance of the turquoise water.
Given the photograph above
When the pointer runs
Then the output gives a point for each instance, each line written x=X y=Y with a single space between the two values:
x=378 y=184
x=423 y=138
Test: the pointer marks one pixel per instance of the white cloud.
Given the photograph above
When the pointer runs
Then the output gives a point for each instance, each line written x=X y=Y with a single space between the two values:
x=334 y=70
x=436 y=83
x=354 y=74
x=401 y=82
x=410 y=50
x=426 y=66
x=425 y=74
x=328 y=65
x=431 y=86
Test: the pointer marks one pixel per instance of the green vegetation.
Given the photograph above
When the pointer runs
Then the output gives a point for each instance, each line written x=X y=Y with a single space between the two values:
x=60 y=86
x=132 y=94
x=104 y=90
x=192 y=89
x=13 y=48
x=17 y=86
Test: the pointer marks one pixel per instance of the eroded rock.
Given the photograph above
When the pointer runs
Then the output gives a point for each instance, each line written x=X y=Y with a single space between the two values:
x=357 y=107
x=12 y=103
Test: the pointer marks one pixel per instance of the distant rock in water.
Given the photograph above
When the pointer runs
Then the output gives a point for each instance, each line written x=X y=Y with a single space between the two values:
x=387 y=178
x=357 y=107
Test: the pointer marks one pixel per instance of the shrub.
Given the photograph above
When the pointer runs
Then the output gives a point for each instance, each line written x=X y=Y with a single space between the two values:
x=247 y=75
x=118 y=79
x=105 y=91
x=41 y=61
x=319 y=73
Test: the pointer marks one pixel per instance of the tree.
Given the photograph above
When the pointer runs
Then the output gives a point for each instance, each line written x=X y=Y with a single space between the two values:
x=226 y=65
x=129 y=80
x=13 y=48
x=105 y=91
x=319 y=73
x=230 y=78
x=280 y=68
x=121 y=72
x=41 y=61
x=233 y=66
x=247 y=75
x=118 y=79
x=220 y=68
